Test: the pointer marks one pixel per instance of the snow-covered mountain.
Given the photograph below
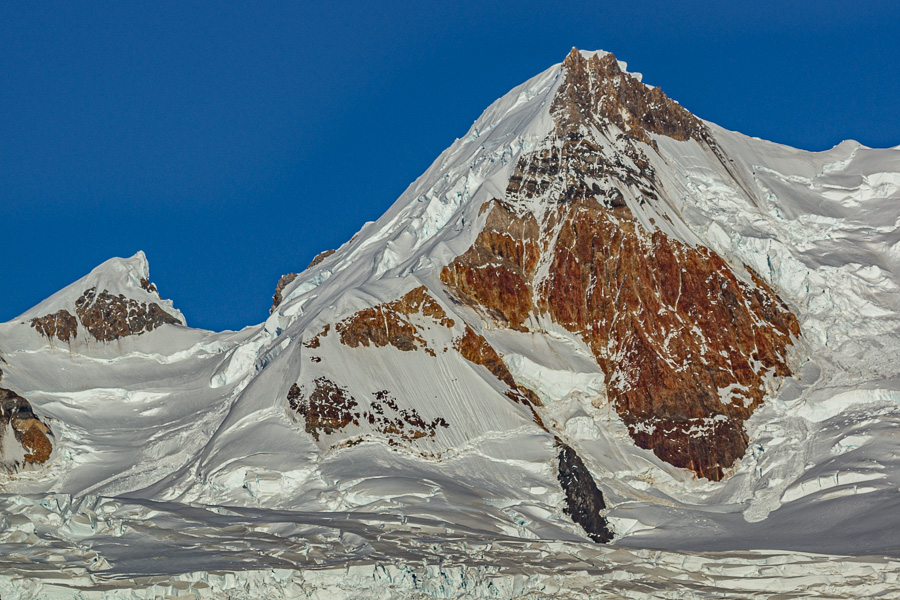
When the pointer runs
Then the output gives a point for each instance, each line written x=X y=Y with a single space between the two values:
x=595 y=318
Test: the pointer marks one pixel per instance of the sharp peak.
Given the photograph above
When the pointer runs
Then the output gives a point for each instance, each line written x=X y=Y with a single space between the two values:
x=117 y=275
x=135 y=265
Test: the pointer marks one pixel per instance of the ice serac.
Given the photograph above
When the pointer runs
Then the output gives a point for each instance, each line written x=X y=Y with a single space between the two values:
x=586 y=236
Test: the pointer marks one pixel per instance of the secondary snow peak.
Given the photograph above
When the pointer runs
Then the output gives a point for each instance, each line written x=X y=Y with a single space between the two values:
x=115 y=300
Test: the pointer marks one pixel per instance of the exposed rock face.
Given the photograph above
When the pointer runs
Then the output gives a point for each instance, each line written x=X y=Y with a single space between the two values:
x=399 y=423
x=597 y=92
x=320 y=257
x=584 y=501
x=17 y=417
x=108 y=317
x=61 y=325
x=325 y=409
x=282 y=283
x=496 y=271
x=474 y=348
x=685 y=344
x=316 y=340
x=388 y=324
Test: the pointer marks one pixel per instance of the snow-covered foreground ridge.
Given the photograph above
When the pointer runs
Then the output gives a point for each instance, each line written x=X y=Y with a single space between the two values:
x=595 y=318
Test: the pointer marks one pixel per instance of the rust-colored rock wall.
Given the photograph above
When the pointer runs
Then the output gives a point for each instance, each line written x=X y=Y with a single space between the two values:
x=497 y=270
x=388 y=324
x=474 y=348
x=685 y=344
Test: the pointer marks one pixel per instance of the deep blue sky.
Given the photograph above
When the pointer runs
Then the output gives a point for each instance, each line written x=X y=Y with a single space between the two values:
x=233 y=141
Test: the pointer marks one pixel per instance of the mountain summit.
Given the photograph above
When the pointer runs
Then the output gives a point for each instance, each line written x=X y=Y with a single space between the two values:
x=595 y=318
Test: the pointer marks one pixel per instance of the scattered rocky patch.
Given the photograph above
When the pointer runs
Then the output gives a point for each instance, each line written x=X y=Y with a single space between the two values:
x=671 y=325
x=329 y=408
x=405 y=424
x=326 y=409
x=316 y=340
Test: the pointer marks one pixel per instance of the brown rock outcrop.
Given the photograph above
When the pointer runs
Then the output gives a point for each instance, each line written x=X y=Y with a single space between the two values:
x=320 y=257
x=685 y=344
x=596 y=92
x=282 y=283
x=316 y=340
x=388 y=324
x=30 y=432
x=61 y=325
x=108 y=317
x=474 y=348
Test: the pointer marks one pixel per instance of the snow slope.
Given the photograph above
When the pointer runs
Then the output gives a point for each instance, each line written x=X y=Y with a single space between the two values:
x=179 y=468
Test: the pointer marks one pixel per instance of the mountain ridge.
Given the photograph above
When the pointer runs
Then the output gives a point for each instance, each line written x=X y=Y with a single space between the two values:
x=594 y=317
